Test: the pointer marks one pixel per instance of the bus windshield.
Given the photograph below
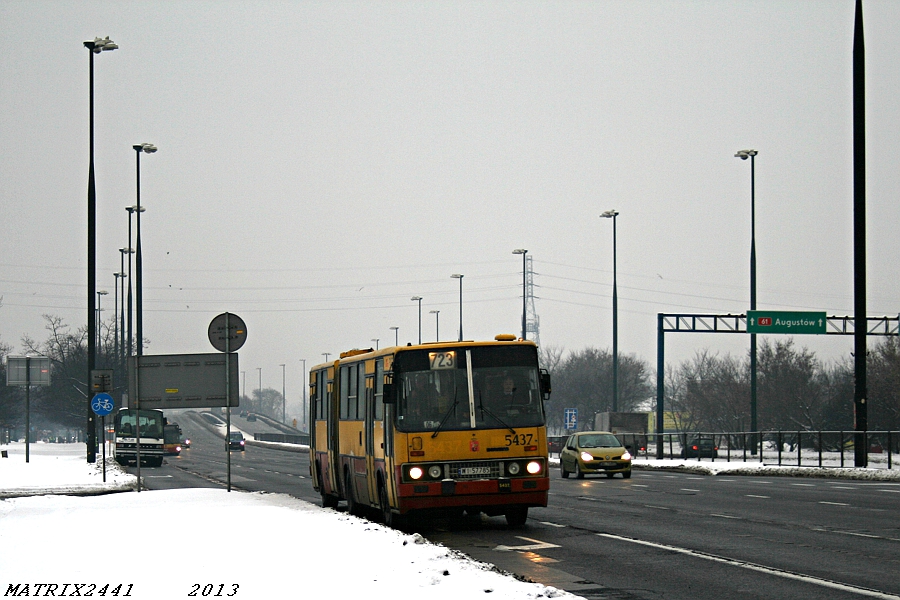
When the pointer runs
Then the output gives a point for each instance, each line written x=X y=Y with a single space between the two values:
x=434 y=391
x=150 y=422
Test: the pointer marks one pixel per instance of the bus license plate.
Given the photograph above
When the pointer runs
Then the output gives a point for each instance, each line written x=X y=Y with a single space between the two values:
x=474 y=470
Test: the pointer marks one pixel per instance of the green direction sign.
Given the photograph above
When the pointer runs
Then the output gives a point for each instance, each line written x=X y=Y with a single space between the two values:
x=771 y=321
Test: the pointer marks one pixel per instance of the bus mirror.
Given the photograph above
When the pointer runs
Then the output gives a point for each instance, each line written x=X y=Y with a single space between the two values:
x=388 y=397
x=545 y=384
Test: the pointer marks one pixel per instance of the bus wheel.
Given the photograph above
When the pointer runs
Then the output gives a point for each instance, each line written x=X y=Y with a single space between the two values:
x=353 y=506
x=516 y=516
x=390 y=519
x=328 y=500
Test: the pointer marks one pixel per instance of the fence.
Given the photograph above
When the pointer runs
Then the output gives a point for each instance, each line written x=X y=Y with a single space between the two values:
x=784 y=448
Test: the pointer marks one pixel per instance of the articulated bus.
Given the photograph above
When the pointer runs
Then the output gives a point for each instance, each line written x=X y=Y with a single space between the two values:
x=445 y=426
x=172 y=439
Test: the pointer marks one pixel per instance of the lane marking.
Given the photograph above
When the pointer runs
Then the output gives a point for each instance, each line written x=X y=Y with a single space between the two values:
x=755 y=496
x=834 y=503
x=548 y=523
x=834 y=585
x=535 y=545
x=726 y=516
x=688 y=490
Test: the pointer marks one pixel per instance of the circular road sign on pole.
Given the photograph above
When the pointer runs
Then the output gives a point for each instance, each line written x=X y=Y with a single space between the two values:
x=227 y=332
x=102 y=404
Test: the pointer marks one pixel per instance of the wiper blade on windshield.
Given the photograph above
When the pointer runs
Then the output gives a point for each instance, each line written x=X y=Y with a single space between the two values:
x=498 y=419
x=447 y=414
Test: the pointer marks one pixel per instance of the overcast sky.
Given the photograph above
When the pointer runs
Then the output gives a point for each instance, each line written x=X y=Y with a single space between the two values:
x=320 y=163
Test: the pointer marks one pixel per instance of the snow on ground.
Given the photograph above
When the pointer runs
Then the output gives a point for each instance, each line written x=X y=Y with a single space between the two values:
x=59 y=525
x=208 y=542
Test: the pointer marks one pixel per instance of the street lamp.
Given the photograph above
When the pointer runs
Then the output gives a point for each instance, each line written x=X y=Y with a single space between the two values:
x=96 y=46
x=326 y=355
x=460 y=277
x=122 y=253
x=437 y=325
x=149 y=149
x=396 y=335
x=100 y=322
x=283 y=397
x=259 y=398
x=523 y=252
x=419 y=300
x=376 y=342
x=612 y=214
x=116 y=355
x=304 y=386
x=743 y=155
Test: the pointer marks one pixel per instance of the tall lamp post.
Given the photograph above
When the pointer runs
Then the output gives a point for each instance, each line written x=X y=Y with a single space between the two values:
x=460 y=277
x=305 y=384
x=259 y=398
x=612 y=214
x=131 y=210
x=376 y=342
x=419 y=300
x=437 y=325
x=744 y=155
x=396 y=331
x=122 y=252
x=115 y=360
x=95 y=46
x=523 y=252
x=100 y=323
x=283 y=397
x=149 y=149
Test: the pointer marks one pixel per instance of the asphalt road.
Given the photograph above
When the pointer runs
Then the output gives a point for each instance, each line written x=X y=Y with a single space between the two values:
x=656 y=535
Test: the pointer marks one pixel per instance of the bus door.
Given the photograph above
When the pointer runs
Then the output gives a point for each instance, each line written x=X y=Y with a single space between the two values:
x=374 y=427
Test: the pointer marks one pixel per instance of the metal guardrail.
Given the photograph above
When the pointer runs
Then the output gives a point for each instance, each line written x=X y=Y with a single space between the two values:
x=822 y=449
x=287 y=438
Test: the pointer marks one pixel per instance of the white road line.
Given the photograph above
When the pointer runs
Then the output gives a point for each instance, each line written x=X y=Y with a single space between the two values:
x=536 y=545
x=834 y=503
x=688 y=490
x=755 y=496
x=725 y=516
x=760 y=568
x=548 y=523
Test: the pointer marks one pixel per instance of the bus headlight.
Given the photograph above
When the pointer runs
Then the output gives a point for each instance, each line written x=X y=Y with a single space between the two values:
x=416 y=473
x=513 y=468
x=434 y=471
x=534 y=467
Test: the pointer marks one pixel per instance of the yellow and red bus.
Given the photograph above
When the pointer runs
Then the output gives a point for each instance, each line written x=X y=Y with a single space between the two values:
x=440 y=426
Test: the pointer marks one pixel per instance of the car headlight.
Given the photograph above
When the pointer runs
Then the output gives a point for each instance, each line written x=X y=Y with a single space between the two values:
x=513 y=468
x=587 y=456
x=626 y=456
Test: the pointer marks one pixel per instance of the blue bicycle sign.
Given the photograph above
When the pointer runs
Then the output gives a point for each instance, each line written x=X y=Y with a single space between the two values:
x=102 y=404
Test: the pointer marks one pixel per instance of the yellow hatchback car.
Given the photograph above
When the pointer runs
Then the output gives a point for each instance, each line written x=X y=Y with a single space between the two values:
x=594 y=452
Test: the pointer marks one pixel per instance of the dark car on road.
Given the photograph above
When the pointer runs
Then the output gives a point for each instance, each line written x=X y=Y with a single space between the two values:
x=555 y=443
x=236 y=441
x=700 y=447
